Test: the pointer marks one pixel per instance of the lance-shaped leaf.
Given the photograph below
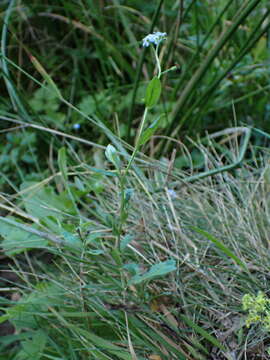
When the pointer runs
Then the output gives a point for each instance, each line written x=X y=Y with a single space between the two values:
x=149 y=132
x=157 y=270
x=112 y=156
x=153 y=92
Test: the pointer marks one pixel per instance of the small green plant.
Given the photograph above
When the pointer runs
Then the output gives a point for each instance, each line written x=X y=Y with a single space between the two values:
x=258 y=308
x=92 y=246
x=18 y=150
x=152 y=95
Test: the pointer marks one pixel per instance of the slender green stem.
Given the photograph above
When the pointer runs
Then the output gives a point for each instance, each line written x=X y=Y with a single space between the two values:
x=139 y=70
x=122 y=179
x=157 y=61
x=137 y=141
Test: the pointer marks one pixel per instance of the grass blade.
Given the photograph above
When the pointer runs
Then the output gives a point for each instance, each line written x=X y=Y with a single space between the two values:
x=221 y=247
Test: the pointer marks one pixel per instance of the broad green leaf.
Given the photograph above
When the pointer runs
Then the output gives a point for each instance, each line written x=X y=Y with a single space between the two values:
x=24 y=313
x=100 y=171
x=91 y=238
x=149 y=132
x=32 y=348
x=17 y=240
x=112 y=156
x=221 y=246
x=42 y=201
x=52 y=223
x=125 y=241
x=4 y=318
x=72 y=240
x=157 y=270
x=45 y=101
x=133 y=268
x=153 y=92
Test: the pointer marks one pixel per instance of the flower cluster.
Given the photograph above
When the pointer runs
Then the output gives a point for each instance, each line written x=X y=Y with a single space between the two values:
x=154 y=38
x=258 y=308
x=172 y=193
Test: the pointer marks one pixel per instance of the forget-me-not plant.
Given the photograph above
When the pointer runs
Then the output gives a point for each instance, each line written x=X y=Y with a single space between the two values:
x=154 y=38
x=152 y=95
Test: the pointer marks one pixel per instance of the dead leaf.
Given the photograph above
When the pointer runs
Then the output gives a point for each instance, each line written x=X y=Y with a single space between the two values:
x=154 y=357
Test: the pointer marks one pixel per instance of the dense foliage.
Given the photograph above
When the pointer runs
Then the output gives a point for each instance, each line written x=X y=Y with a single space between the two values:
x=134 y=179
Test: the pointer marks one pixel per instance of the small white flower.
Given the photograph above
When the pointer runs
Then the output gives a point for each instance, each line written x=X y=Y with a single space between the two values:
x=154 y=38
x=172 y=193
x=76 y=126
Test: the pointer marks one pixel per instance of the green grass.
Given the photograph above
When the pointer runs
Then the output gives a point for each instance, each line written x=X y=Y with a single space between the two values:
x=81 y=301
x=142 y=249
x=220 y=47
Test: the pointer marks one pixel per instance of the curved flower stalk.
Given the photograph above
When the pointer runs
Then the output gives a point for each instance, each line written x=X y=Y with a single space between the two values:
x=155 y=39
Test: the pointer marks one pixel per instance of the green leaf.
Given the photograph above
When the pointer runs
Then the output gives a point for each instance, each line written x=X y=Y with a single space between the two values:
x=45 y=101
x=153 y=92
x=17 y=240
x=221 y=246
x=133 y=268
x=25 y=313
x=101 y=343
x=112 y=156
x=42 y=201
x=148 y=133
x=95 y=252
x=156 y=270
x=128 y=193
x=115 y=253
x=33 y=347
x=125 y=241
x=72 y=240
x=62 y=163
x=100 y=171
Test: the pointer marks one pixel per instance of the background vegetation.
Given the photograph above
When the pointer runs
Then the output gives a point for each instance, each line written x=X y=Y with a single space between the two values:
x=152 y=265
